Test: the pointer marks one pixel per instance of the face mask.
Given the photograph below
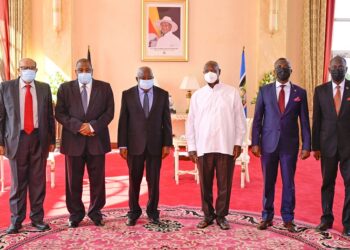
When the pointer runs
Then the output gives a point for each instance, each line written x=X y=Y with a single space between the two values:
x=146 y=84
x=28 y=75
x=210 y=77
x=283 y=74
x=338 y=74
x=84 y=78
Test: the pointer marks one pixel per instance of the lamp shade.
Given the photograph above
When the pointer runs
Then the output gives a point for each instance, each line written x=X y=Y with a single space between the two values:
x=189 y=83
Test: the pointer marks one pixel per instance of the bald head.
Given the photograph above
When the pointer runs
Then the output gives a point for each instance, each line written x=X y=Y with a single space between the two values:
x=338 y=68
x=282 y=70
x=27 y=63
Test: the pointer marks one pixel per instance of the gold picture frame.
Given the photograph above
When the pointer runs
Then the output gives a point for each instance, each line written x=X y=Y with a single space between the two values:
x=165 y=30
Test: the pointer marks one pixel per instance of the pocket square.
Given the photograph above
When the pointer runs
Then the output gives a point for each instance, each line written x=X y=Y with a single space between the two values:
x=348 y=99
x=297 y=99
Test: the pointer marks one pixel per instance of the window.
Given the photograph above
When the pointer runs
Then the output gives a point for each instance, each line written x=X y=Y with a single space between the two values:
x=341 y=31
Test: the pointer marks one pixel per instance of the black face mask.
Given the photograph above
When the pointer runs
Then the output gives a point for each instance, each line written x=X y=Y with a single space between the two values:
x=283 y=74
x=338 y=75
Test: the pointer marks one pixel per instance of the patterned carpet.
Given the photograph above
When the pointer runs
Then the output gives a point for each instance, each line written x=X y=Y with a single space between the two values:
x=177 y=231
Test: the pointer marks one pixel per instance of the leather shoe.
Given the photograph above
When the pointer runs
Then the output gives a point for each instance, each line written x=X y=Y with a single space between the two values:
x=223 y=223
x=154 y=221
x=290 y=226
x=13 y=229
x=323 y=226
x=99 y=223
x=41 y=226
x=204 y=223
x=264 y=224
x=73 y=224
x=130 y=222
x=346 y=232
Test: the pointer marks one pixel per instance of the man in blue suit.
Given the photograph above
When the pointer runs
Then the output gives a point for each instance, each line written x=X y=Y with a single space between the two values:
x=275 y=138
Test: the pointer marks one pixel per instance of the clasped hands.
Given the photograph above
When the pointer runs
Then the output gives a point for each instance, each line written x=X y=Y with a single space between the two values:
x=85 y=130
x=304 y=154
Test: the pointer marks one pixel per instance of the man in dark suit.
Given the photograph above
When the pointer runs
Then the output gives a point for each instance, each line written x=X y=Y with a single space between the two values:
x=275 y=137
x=27 y=134
x=85 y=107
x=144 y=136
x=331 y=140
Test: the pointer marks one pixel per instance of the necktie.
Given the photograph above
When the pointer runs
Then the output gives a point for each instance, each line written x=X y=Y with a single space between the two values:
x=281 y=99
x=337 y=100
x=84 y=97
x=146 y=104
x=28 y=111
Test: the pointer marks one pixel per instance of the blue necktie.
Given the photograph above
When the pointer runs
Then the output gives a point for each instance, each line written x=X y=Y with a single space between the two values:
x=146 y=104
x=84 y=98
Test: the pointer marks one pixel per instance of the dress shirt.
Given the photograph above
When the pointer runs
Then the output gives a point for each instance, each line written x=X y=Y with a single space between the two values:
x=142 y=96
x=216 y=120
x=169 y=40
x=22 y=95
x=286 y=91
x=334 y=86
x=88 y=91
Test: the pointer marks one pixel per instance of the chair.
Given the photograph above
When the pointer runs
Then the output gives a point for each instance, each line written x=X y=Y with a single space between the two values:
x=180 y=142
x=244 y=158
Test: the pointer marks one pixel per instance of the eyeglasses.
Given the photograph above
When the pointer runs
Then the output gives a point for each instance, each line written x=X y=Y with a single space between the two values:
x=27 y=67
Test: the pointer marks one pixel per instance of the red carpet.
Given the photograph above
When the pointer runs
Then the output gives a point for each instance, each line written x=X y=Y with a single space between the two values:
x=308 y=184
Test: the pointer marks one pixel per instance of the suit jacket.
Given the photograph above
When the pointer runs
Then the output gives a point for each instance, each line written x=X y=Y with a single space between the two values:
x=10 y=119
x=136 y=132
x=329 y=131
x=70 y=113
x=271 y=128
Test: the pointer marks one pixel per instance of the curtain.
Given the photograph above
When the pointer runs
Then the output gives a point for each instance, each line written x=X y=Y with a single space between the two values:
x=328 y=41
x=4 y=40
x=313 y=45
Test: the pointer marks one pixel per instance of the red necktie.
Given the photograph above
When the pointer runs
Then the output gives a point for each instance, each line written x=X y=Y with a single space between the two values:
x=281 y=102
x=337 y=99
x=28 y=111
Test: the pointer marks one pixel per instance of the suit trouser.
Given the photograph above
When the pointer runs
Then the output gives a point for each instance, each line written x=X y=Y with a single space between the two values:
x=223 y=165
x=28 y=172
x=269 y=163
x=136 y=165
x=75 y=166
x=329 y=168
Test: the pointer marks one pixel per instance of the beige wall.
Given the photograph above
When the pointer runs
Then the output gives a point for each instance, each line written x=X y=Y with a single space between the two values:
x=217 y=31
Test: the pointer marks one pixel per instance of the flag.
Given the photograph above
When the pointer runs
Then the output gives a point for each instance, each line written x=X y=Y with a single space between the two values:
x=242 y=83
x=88 y=55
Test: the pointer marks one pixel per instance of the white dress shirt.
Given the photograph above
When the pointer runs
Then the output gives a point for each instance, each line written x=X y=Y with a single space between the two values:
x=286 y=91
x=342 y=85
x=88 y=90
x=216 y=120
x=22 y=96
x=169 y=40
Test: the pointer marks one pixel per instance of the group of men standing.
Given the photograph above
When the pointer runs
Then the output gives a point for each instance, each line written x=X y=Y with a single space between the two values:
x=215 y=129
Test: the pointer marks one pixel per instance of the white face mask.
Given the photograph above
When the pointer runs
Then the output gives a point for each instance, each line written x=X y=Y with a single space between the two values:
x=210 y=77
x=84 y=78
x=28 y=75
x=146 y=84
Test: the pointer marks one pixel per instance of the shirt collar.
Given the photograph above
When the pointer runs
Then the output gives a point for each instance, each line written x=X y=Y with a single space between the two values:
x=88 y=85
x=216 y=86
x=342 y=84
x=23 y=84
x=278 y=84
x=150 y=91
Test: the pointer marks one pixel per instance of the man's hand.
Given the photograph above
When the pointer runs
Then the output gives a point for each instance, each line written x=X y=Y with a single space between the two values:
x=317 y=155
x=52 y=147
x=2 y=150
x=237 y=150
x=123 y=153
x=256 y=151
x=85 y=129
x=304 y=154
x=193 y=156
x=165 y=152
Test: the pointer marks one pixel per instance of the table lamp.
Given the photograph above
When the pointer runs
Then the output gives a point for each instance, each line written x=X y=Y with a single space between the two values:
x=189 y=83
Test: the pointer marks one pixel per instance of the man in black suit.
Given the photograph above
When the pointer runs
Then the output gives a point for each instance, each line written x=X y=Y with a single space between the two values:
x=27 y=134
x=85 y=107
x=331 y=140
x=144 y=136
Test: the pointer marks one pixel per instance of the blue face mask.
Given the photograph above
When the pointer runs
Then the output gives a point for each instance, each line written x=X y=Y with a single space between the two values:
x=84 y=78
x=146 y=84
x=28 y=75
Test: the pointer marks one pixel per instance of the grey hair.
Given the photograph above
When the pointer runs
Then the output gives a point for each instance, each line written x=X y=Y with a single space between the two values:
x=139 y=72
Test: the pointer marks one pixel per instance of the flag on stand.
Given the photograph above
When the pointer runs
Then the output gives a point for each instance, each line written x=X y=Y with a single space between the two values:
x=242 y=84
x=88 y=55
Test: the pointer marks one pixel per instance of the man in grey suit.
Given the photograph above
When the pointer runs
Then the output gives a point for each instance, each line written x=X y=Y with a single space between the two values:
x=144 y=138
x=85 y=107
x=27 y=134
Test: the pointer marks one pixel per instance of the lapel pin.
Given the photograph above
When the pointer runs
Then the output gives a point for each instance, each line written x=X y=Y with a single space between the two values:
x=347 y=87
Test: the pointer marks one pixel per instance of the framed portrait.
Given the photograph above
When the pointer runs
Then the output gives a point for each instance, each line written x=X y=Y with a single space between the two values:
x=165 y=30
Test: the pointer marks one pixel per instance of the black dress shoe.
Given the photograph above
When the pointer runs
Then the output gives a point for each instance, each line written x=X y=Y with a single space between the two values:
x=264 y=224
x=13 y=229
x=323 y=226
x=204 y=223
x=73 y=224
x=99 y=223
x=41 y=226
x=223 y=223
x=290 y=226
x=154 y=221
x=346 y=232
x=130 y=222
